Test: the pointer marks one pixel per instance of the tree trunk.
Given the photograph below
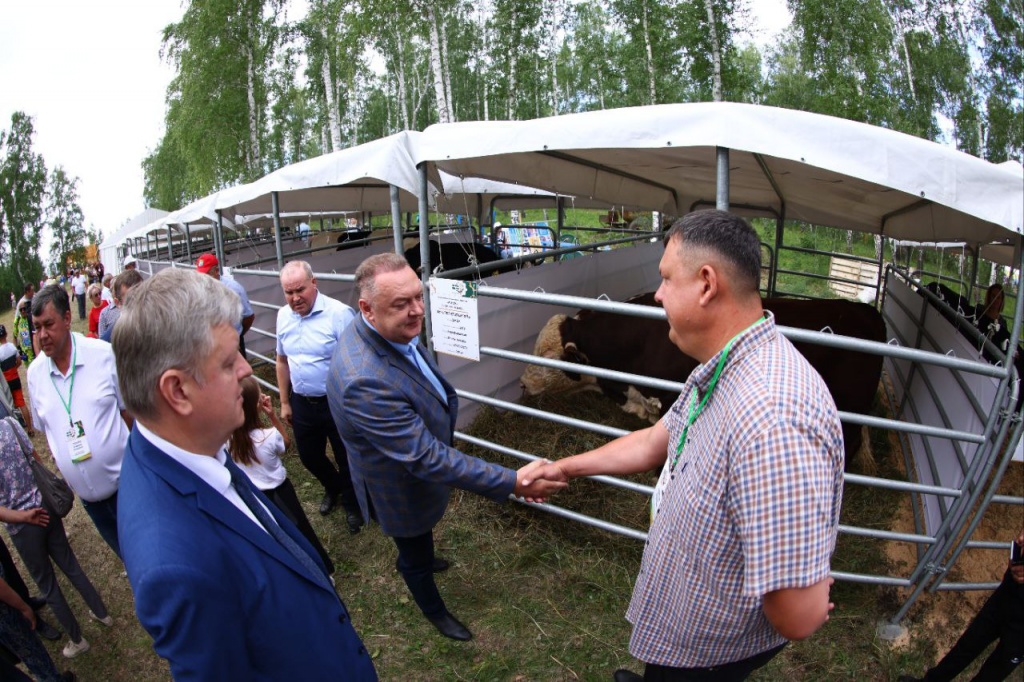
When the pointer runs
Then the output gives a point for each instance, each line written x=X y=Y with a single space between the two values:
x=650 y=56
x=443 y=114
x=403 y=95
x=849 y=241
x=446 y=69
x=512 y=103
x=716 y=53
x=906 y=52
x=329 y=94
x=255 y=164
x=553 y=48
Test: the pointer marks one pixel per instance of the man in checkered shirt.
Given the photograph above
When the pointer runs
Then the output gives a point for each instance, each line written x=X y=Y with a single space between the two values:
x=745 y=514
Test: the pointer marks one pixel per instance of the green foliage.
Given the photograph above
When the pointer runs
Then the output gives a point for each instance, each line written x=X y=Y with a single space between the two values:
x=65 y=218
x=22 y=199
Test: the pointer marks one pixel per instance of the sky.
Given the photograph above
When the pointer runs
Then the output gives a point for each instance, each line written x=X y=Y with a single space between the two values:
x=90 y=75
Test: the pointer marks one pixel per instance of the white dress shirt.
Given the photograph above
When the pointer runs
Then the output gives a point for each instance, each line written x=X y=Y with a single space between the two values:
x=95 y=401
x=211 y=470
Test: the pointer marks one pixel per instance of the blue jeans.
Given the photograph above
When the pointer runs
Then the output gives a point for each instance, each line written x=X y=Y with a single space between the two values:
x=104 y=515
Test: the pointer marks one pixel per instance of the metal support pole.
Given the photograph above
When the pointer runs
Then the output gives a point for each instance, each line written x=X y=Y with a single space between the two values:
x=722 y=179
x=396 y=219
x=188 y=243
x=170 y=245
x=218 y=239
x=425 y=255
x=277 y=230
x=559 y=220
x=780 y=225
x=975 y=252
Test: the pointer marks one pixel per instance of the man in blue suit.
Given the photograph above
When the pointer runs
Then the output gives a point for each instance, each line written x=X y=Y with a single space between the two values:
x=225 y=584
x=396 y=414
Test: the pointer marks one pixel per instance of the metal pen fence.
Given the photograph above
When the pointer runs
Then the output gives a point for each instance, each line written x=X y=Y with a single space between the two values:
x=937 y=551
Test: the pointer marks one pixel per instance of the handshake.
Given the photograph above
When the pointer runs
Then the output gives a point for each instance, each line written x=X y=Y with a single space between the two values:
x=540 y=479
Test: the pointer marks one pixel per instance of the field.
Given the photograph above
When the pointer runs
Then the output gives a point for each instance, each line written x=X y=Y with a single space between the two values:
x=545 y=597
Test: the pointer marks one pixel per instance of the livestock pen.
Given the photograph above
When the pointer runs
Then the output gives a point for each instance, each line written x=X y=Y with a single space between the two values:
x=754 y=160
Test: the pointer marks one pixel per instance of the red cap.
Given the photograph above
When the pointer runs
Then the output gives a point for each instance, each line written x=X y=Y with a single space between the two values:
x=206 y=263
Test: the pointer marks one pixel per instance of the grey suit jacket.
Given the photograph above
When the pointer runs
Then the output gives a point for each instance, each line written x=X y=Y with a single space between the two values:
x=398 y=434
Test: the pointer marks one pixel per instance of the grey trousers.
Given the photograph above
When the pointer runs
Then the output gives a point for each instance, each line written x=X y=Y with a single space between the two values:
x=37 y=545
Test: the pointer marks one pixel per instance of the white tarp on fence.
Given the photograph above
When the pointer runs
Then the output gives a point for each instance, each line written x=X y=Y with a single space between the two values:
x=932 y=392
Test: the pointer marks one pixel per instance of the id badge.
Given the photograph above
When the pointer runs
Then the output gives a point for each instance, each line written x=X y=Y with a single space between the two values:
x=78 y=444
x=659 y=489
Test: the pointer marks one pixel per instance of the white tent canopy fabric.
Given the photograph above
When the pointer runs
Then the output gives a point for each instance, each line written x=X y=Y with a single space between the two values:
x=108 y=248
x=353 y=179
x=828 y=171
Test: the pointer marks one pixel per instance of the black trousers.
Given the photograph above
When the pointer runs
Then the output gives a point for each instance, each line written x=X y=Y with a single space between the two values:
x=416 y=564
x=1002 y=618
x=81 y=306
x=313 y=426
x=285 y=499
x=727 y=672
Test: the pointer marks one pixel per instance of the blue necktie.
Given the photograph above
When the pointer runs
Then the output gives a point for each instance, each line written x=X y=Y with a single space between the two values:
x=424 y=368
x=241 y=483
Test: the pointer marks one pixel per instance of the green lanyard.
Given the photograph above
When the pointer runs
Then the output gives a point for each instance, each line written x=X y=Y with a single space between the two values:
x=695 y=408
x=67 y=405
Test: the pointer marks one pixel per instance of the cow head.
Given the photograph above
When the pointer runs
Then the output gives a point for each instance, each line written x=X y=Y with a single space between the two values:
x=555 y=342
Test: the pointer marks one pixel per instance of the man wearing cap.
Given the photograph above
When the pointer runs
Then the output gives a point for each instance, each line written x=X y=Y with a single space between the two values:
x=129 y=263
x=208 y=265
x=308 y=329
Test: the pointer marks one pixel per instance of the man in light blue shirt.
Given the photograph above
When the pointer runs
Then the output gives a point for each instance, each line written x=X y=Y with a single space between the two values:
x=208 y=265
x=308 y=329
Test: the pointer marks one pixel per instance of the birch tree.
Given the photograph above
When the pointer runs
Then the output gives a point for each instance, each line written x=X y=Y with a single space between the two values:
x=22 y=202
x=64 y=216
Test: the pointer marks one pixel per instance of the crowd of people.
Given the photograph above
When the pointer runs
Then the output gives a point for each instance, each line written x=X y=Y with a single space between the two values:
x=175 y=454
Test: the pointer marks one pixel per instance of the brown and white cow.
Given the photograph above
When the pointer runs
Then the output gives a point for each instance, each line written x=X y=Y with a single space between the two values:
x=641 y=346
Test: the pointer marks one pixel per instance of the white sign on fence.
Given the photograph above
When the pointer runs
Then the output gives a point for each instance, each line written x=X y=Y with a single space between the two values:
x=455 y=323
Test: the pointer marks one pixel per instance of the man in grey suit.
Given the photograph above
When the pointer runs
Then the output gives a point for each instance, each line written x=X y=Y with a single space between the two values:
x=396 y=414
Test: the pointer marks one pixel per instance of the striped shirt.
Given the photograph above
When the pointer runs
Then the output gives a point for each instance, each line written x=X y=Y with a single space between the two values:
x=752 y=506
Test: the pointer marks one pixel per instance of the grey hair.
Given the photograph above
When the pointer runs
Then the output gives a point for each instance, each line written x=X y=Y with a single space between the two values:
x=93 y=289
x=107 y=278
x=296 y=265
x=366 y=273
x=166 y=324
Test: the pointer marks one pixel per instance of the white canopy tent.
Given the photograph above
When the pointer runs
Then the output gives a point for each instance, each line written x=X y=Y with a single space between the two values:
x=809 y=167
x=353 y=179
x=108 y=248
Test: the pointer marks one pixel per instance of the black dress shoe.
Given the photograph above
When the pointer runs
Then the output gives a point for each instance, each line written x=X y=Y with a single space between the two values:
x=355 y=521
x=327 y=504
x=623 y=675
x=448 y=626
x=440 y=565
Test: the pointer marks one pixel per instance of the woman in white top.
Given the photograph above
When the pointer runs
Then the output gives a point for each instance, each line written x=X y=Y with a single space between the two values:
x=257 y=451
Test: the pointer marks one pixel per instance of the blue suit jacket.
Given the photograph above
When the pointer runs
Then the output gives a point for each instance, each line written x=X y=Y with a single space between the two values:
x=221 y=598
x=398 y=434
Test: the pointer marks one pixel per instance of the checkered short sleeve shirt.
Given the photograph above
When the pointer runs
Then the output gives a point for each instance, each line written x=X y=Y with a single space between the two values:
x=752 y=506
